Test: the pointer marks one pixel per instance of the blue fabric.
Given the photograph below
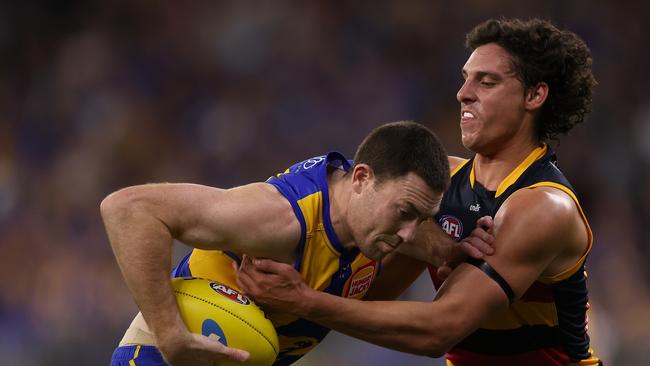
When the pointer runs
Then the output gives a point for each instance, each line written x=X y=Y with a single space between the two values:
x=147 y=356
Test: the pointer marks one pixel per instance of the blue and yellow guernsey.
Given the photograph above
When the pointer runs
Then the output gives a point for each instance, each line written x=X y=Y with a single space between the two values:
x=320 y=258
x=547 y=325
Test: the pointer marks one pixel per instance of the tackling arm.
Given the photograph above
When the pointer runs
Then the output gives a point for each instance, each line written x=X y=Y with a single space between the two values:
x=532 y=229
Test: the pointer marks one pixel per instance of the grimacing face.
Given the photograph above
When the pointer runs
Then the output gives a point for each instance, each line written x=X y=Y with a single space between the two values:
x=386 y=214
x=491 y=100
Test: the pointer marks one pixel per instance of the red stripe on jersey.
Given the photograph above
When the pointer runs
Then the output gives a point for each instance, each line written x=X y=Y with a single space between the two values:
x=541 y=357
x=538 y=292
x=434 y=277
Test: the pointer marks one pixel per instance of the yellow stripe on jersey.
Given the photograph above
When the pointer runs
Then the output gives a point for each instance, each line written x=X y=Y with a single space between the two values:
x=459 y=167
x=573 y=269
x=591 y=361
x=516 y=173
x=316 y=269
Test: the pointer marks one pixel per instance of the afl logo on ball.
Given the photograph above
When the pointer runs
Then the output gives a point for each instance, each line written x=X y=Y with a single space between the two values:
x=451 y=226
x=231 y=294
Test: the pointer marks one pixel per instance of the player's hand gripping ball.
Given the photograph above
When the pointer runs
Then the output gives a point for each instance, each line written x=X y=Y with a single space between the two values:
x=216 y=310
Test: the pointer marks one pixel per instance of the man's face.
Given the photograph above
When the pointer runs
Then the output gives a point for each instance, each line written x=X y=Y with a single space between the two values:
x=383 y=216
x=491 y=100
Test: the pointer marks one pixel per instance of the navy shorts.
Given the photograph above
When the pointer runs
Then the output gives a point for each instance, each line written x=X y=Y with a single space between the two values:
x=137 y=356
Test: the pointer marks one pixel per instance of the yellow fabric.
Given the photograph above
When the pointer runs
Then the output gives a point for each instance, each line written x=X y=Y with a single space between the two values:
x=135 y=355
x=573 y=269
x=459 y=167
x=320 y=260
x=516 y=173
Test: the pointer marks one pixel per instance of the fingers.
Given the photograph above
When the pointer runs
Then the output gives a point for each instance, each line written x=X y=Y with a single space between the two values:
x=246 y=282
x=245 y=276
x=485 y=222
x=443 y=272
x=270 y=266
x=220 y=350
x=483 y=234
x=234 y=353
x=481 y=241
x=468 y=248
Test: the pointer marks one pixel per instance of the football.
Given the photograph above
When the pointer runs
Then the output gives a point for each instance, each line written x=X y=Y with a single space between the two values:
x=218 y=311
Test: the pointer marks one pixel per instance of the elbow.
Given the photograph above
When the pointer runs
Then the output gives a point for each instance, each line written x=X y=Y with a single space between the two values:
x=437 y=340
x=121 y=204
x=114 y=203
x=437 y=346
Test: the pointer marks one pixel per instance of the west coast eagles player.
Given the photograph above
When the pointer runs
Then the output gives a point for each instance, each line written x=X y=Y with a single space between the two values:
x=525 y=82
x=330 y=218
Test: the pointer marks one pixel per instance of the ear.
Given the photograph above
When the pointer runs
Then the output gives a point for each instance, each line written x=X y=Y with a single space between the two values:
x=362 y=175
x=536 y=96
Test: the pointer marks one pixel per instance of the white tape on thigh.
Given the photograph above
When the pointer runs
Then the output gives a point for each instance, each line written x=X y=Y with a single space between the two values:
x=138 y=333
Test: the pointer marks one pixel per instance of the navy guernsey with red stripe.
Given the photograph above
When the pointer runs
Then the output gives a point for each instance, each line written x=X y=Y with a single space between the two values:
x=547 y=325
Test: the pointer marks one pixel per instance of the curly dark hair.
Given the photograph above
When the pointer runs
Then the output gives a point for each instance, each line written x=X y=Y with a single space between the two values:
x=543 y=53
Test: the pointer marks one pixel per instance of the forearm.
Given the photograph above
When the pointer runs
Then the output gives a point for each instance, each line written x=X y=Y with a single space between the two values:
x=431 y=244
x=397 y=273
x=406 y=326
x=142 y=247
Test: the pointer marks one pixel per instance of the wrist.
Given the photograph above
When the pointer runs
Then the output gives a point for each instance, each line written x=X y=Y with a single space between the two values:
x=170 y=333
x=172 y=340
x=308 y=305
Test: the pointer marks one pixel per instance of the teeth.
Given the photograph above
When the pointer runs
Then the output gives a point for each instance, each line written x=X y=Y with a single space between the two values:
x=468 y=115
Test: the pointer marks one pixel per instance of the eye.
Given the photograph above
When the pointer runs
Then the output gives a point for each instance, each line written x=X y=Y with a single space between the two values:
x=406 y=215
x=488 y=84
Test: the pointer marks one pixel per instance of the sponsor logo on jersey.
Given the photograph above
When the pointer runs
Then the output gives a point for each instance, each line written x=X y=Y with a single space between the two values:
x=451 y=226
x=475 y=207
x=231 y=294
x=360 y=281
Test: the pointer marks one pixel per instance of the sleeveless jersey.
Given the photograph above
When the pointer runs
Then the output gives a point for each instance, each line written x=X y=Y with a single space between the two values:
x=320 y=258
x=547 y=325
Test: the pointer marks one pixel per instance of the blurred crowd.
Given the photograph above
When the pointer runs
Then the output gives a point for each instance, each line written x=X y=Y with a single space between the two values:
x=95 y=96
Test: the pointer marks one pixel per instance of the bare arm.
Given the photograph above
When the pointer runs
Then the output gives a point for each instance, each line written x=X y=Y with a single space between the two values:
x=434 y=246
x=398 y=272
x=141 y=222
x=532 y=230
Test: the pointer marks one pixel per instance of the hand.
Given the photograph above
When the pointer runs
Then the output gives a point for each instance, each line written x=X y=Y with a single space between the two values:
x=185 y=349
x=273 y=285
x=476 y=245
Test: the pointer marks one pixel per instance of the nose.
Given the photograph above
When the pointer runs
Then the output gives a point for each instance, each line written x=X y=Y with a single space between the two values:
x=466 y=92
x=407 y=232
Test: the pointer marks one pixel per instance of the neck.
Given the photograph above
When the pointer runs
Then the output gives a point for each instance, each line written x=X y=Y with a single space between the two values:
x=490 y=169
x=339 y=196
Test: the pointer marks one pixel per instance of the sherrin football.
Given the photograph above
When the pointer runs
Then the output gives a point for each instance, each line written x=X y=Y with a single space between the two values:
x=216 y=310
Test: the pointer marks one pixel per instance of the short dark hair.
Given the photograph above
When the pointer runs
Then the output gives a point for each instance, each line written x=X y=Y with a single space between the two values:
x=541 y=52
x=398 y=148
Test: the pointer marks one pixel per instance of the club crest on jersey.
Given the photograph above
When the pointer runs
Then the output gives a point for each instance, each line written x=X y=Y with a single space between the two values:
x=313 y=161
x=360 y=281
x=452 y=226
x=229 y=293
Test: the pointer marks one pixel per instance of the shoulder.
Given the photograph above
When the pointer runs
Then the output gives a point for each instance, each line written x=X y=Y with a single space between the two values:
x=549 y=209
x=546 y=223
x=265 y=221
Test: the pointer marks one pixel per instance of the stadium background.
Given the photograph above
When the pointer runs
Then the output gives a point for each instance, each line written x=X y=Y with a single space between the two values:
x=95 y=96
